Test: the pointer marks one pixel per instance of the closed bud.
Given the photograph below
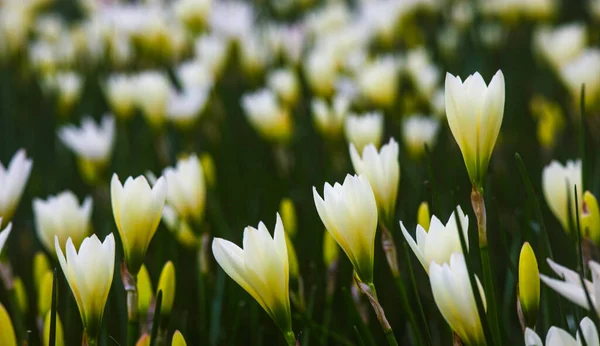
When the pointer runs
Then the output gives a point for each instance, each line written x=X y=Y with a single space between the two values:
x=364 y=130
x=44 y=294
x=186 y=191
x=378 y=82
x=21 y=294
x=209 y=169
x=59 y=334
x=15 y=176
x=590 y=218
x=41 y=266
x=558 y=185
x=269 y=118
x=287 y=210
x=529 y=285
x=423 y=216
x=285 y=83
x=178 y=339
x=418 y=131
x=120 y=93
x=331 y=250
x=166 y=284
x=145 y=293
x=7 y=332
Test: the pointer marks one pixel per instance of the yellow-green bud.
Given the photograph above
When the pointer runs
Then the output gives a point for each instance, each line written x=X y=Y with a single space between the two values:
x=45 y=294
x=41 y=266
x=292 y=258
x=7 y=333
x=287 y=211
x=331 y=249
x=529 y=285
x=144 y=291
x=166 y=284
x=178 y=339
x=21 y=294
x=60 y=338
x=209 y=170
x=590 y=218
x=423 y=216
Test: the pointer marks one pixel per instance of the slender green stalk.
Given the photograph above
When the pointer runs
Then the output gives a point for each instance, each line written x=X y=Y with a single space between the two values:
x=133 y=325
x=331 y=283
x=290 y=338
x=358 y=337
x=368 y=289
x=52 y=334
x=358 y=322
x=156 y=319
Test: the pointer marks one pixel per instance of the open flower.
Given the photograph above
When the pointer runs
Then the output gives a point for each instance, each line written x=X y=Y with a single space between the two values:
x=455 y=300
x=475 y=111
x=61 y=216
x=440 y=241
x=187 y=191
x=570 y=284
x=383 y=171
x=12 y=183
x=89 y=273
x=137 y=210
x=261 y=268
x=557 y=336
x=349 y=212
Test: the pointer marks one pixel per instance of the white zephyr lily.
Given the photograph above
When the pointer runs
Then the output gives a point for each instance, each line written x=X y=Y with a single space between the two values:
x=137 y=210
x=120 y=90
x=89 y=273
x=261 y=268
x=4 y=234
x=61 y=216
x=12 y=183
x=329 y=121
x=475 y=111
x=267 y=116
x=455 y=300
x=556 y=181
x=187 y=190
x=349 y=212
x=418 y=130
x=560 y=337
x=439 y=242
x=383 y=171
x=90 y=142
x=184 y=108
x=570 y=286
x=365 y=129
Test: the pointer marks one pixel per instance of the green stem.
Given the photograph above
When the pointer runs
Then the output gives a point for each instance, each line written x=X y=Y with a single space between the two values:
x=132 y=332
x=368 y=289
x=132 y=312
x=290 y=338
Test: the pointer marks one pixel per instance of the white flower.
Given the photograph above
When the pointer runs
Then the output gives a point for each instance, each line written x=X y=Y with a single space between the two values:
x=475 y=111
x=12 y=183
x=90 y=142
x=137 y=210
x=440 y=241
x=569 y=285
x=212 y=50
x=378 y=81
x=559 y=337
x=4 y=234
x=383 y=171
x=261 y=268
x=558 y=182
x=285 y=83
x=560 y=45
x=89 y=273
x=329 y=121
x=68 y=86
x=418 y=130
x=193 y=13
x=424 y=74
x=584 y=69
x=267 y=116
x=254 y=53
x=365 y=129
x=195 y=74
x=62 y=217
x=185 y=107
x=120 y=92
x=454 y=298
x=321 y=70
x=349 y=212
x=152 y=93
x=187 y=191
x=232 y=18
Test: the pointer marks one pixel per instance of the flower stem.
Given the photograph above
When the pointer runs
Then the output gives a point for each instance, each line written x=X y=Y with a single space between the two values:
x=130 y=285
x=290 y=338
x=368 y=289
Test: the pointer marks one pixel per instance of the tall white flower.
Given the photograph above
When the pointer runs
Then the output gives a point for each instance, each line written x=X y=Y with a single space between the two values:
x=475 y=111
x=152 y=93
x=4 y=234
x=329 y=120
x=424 y=75
x=120 y=90
x=584 y=69
x=321 y=70
x=89 y=273
x=212 y=50
x=558 y=183
x=560 y=337
x=418 y=130
x=61 y=216
x=261 y=268
x=195 y=74
x=349 y=212
x=267 y=116
x=364 y=130
x=187 y=191
x=440 y=241
x=383 y=171
x=560 y=45
x=454 y=298
x=184 y=108
x=378 y=81
x=90 y=142
x=12 y=183
x=285 y=83
x=569 y=284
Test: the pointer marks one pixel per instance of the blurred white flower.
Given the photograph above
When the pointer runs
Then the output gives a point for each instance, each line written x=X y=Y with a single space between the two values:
x=42 y=57
x=193 y=13
x=378 y=81
x=212 y=50
x=152 y=93
x=12 y=183
x=438 y=103
x=267 y=116
x=187 y=190
x=331 y=17
x=49 y=27
x=382 y=19
x=329 y=120
x=194 y=74
x=90 y=142
x=185 y=107
x=286 y=84
x=560 y=45
x=231 y=18
x=68 y=86
x=424 y=74
x=321 y=67
x=63 y=217
x=557 y=336
x=418 y=130
x=120 y=90
x=365 y=129
x=558 y=183
x=254 y=53
x=15 y=22
x=584 y=69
